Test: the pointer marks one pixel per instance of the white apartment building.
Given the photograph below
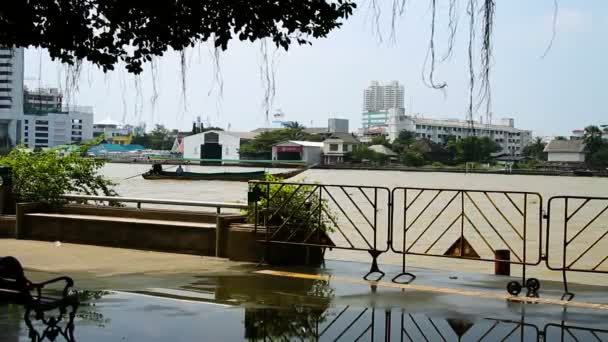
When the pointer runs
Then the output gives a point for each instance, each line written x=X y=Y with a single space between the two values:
x=512 y=140
x=378 y=100
x=382 y=97
x=11 y=94
x=55 y=129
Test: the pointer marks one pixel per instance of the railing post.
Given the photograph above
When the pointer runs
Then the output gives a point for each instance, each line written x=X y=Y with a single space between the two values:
x=218 y=233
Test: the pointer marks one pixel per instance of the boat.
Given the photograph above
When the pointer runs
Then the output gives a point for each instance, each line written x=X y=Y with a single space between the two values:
x=156 y=174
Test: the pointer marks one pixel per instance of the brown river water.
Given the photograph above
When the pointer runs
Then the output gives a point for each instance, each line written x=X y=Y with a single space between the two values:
x=492 y=220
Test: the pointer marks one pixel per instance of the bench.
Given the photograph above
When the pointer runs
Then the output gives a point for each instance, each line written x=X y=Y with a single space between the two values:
x=17 y=289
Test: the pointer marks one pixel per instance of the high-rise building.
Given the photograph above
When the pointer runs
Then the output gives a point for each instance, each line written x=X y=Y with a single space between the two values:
x=11 y=94
x=378 y=100
x=379 y=97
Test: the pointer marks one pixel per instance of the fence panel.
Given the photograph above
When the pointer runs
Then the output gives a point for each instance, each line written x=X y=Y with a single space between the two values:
x=467 y=224
x=577 y=235
x=330 y=216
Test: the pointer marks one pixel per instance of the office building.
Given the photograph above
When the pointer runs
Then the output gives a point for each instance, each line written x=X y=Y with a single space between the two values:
x=11 y=95
x=56 y=129
x=512 y=140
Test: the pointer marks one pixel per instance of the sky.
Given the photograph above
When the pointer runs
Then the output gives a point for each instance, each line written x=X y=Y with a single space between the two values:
x=549 y=95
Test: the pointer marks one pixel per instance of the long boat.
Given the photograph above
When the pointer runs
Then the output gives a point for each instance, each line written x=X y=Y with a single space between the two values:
x=223 y=176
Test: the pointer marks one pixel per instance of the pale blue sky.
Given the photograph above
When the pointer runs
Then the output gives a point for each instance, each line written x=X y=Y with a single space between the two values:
x=550 y=96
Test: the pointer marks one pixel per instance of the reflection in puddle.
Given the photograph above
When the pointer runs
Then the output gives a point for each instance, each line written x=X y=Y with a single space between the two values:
x=370 y=324
x=231 y=309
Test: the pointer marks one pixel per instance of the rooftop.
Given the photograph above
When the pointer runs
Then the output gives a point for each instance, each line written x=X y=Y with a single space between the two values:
x=463 y=124
x=383 y=150
x=346 y=137
x=303 y=143
x=572 y=146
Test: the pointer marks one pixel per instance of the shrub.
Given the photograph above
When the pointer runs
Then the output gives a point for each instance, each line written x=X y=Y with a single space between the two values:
x=295 y=207
x=46 y=176
x=412 y=158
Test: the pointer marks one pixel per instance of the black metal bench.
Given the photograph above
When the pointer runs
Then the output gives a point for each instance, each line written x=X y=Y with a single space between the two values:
x=17 y=289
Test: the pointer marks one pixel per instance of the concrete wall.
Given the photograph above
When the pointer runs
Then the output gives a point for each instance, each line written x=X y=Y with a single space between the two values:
x=158 y=230
x=566 y=157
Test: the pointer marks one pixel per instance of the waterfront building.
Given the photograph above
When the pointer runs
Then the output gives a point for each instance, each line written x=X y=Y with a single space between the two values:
x=11 y=95
x=512 y=140
x=378 y=101
x=306 y=151
x=215 y=144
x=336 y=146
x=566 y=151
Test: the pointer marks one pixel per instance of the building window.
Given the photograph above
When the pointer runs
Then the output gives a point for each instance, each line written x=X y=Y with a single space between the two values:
x=42 y=122
x=6 y=73
x=344 y=147
x=42 y=141
x=42 y=128
x=42 y=135
x=5 y=106
x=333 y=147
x=5 y=81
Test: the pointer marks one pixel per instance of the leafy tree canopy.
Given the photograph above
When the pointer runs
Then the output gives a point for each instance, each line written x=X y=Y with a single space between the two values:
x=47 y=175
x=263 y=142
x=535 y=150
x=473 y=149
x=106 y=32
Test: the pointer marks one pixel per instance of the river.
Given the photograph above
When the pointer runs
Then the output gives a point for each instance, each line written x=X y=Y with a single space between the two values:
x=130 y=184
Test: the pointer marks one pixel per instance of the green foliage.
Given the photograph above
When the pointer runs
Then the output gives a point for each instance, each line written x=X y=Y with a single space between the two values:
x=298 y=208
x=107 y=33
x=264 y=141
x=473 y=149
x=46 y=176
x=158 y=139
x=364 y=153
x=412 y=158
x=380 y=140
x=599 y=159
x=403 y=141
x=535 y=150
x=593 y=139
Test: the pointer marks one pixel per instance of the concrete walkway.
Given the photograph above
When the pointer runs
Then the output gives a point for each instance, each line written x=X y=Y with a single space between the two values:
x=123 y=268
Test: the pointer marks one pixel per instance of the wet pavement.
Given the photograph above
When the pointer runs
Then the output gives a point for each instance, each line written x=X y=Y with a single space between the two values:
x=307 y=305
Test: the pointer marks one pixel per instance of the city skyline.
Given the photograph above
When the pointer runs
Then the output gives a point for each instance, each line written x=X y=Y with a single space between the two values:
x=311 y=86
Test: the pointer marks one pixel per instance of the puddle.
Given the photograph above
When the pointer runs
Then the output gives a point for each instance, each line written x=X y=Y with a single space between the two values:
x=253 y=307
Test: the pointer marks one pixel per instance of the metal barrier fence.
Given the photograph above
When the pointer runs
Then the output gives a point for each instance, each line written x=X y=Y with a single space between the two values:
x=467 y=224
x=357 y=217
x=503 y=227
x=576 y=235
x=351 y=323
